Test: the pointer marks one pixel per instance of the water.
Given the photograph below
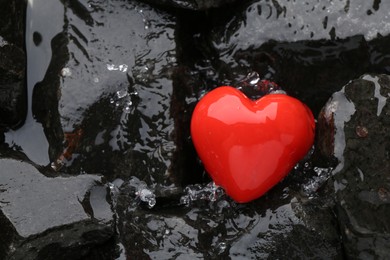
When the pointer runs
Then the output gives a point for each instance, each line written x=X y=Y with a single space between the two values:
x=311 y=187
x=129 y=75
x=381 y=99
x=304 y=20
x=30 y=138
x=255 y=87
x=210 y=192
x=123 y=99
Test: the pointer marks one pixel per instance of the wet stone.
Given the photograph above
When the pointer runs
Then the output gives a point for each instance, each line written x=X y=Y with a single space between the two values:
x=13 y=93
x=50 y=218
x=290 y=41
x=111 y=108
x=12 y=20
x=355 y=125
x=192 y=4
x=281 y=224
x=309 y=20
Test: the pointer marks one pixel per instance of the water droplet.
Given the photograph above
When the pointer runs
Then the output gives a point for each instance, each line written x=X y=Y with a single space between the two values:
x=322 y=175
x=66 y=72
x=127 y=107
x=147 y=196
x=255 y=87
x=121 y=68
x=222 y=246
x=254 y=81
x=210 y=192
x=110 y=66
x=201 y=94
x=121 y=93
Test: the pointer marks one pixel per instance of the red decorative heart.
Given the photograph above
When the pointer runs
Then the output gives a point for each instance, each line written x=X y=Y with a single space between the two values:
x=248 y=146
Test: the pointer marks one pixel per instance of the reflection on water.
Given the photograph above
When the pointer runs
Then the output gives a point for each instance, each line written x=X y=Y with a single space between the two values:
x=30 y=138
x=306 y=20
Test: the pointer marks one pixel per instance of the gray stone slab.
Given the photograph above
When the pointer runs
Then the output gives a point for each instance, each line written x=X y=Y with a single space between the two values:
x=37 y=211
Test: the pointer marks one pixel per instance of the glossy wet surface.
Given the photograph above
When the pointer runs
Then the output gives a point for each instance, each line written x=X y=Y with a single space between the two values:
x=112 y=86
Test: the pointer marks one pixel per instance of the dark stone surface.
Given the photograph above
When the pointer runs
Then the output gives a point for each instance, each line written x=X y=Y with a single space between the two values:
x=287 y=42
x=117 y=98
x=118 y=90
x=12 y=20
x=50 y=218
x=357 y=118
x=284 y=223
x=192 y=4
x=13 y=93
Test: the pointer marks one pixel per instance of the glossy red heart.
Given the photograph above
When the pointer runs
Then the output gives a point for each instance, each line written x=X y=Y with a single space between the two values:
x=248 y=146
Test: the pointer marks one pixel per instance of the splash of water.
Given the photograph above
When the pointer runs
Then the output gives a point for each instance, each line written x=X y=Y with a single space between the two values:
x=210 y=192
x=322 y=175
x=255 y=87
x=121 y=67
x=123 y=99
x=146 y=195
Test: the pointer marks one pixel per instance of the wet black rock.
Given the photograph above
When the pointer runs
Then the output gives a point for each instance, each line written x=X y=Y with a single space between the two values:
x=354 y=125
x=192 y=4
x=282 y=224
x=308 y=48
x=50 y=218
x=12 y=20
x=13 y=93
x=113 y=85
